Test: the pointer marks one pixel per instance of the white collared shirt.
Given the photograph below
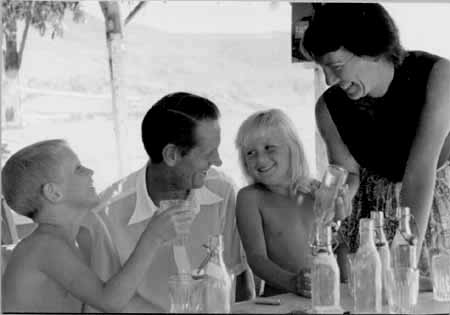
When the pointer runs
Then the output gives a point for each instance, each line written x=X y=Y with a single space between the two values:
x=125 y=210
x=145 y=208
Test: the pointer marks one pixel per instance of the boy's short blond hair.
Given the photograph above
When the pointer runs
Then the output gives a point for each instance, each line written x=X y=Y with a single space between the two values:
x=268 y=121
x=27 y=171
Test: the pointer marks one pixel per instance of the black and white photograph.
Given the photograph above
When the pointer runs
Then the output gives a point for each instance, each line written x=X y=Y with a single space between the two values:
x=225 y=156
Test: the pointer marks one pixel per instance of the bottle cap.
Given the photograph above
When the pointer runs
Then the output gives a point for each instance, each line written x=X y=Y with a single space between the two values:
x=365 y=224
x=402 y=212
x=324 y=236
x=377 y=217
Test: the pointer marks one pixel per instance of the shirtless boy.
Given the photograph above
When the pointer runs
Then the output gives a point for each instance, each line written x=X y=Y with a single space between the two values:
x=47 y=272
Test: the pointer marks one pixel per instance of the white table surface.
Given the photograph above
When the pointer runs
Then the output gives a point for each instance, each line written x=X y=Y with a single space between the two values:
x=291 y=303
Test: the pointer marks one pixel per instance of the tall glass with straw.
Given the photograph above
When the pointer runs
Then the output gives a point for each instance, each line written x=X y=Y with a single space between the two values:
x=183 y=230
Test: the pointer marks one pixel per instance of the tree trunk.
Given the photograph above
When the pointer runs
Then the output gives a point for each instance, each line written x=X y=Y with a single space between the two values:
x=114 y=38
x=12 y=95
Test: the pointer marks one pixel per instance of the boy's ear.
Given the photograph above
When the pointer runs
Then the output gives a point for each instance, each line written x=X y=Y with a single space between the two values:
x=171 y=154
x=51 y=192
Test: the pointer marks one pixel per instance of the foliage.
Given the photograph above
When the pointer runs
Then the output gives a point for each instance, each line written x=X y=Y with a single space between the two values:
x=43 y=15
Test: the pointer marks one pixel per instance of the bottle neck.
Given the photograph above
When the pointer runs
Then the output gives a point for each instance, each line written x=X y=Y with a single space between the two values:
x=216 y=249
x=380 y=236
x=404 y=225
x=217 y=256
x=323 y=249
x=322 y=240
x=366 y=238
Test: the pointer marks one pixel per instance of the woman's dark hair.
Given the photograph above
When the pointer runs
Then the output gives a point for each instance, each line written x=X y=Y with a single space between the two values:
x=365 y=29
x=173 y=119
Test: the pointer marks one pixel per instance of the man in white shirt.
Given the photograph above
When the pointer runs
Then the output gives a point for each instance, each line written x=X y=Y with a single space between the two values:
x=181 y=135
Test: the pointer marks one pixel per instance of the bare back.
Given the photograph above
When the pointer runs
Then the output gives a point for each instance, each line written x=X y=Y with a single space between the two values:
x=27 y=289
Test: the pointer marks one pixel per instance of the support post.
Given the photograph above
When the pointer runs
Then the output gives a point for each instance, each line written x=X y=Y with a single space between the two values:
x=321 y=151
x=114 y=40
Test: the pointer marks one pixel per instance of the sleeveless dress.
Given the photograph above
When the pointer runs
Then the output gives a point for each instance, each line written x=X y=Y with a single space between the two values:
x=379 y=133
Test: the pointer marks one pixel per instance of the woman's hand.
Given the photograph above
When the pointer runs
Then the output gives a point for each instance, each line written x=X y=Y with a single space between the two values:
x=303 y=282
x=343 y=205
x=303 y=185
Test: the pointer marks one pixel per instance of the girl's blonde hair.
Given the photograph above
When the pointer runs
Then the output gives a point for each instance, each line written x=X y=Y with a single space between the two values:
x=267 y=122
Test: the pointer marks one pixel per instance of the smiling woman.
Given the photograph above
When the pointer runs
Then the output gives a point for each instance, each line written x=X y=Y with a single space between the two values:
x=376 y=85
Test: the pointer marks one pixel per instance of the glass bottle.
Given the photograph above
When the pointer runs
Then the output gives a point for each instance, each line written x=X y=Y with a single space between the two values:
x=404 y=236
x=367 y=281
x=440 y=269
x=404 y=248
x=218 y=281
x=325 y=275
x=384 y=252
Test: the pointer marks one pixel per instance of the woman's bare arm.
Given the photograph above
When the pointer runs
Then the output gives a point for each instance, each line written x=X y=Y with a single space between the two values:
x=433 y=128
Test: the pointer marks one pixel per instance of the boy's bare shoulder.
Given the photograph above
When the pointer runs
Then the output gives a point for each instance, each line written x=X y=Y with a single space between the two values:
x=36 y=247
x=29 y=252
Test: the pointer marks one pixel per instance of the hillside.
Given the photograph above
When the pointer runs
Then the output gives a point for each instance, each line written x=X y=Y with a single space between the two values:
x=241 y=73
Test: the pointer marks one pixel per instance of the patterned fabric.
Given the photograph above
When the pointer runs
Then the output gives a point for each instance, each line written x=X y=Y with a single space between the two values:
x=378 y=194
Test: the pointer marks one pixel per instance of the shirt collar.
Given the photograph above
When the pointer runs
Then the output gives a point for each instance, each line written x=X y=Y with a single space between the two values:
x=145 y=208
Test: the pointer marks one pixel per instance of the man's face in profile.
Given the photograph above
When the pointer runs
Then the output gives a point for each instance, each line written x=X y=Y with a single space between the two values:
x=193 y=167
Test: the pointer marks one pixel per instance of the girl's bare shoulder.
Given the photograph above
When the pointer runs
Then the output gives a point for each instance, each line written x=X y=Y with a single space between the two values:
x=253 y=191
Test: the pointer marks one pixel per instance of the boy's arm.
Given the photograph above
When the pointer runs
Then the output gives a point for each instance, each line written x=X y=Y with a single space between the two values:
x=106 y=261
x=250 y=226
x=62 y=265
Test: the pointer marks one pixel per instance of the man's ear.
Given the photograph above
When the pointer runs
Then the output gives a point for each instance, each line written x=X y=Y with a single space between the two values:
x=171 y=154
x=52 y=192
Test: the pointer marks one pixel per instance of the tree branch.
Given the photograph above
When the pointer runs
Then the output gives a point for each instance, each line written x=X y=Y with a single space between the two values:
x=133 y=12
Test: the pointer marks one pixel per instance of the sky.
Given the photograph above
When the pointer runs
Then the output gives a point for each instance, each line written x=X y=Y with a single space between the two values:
x=422 y=25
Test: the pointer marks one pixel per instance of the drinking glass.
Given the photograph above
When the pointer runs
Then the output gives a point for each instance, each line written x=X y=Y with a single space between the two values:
x=350 y=259
x=181 y=256
x=403 y=288
x=186 y=294
x=440 y=270
x=182 y=230
x=333 y=179
x=440 y=264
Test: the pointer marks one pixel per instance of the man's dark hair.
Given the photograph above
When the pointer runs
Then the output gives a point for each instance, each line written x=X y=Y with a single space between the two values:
x=364 y=29
x=173 y=119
